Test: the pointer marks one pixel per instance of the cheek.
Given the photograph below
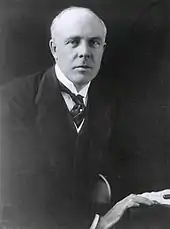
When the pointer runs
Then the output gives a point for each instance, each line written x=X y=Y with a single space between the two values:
x=64 y=57
x=98 y=55
x=62 y=53
x=98 y=58
x=68 y=55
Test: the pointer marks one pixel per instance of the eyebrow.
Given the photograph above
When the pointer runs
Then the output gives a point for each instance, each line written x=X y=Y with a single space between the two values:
x=73 y=37
x=79 y=37
x=96 y=38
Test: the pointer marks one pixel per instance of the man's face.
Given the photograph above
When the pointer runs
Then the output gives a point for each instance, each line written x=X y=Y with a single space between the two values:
x=78 y=46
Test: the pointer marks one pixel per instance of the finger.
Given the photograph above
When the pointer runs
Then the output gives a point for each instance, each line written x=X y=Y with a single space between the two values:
x=143 y=200
x=136 y=205
x=156 y=202
x=132 y=199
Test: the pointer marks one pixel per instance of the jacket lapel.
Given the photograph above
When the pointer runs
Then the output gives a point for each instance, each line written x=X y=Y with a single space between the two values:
x=51 y=108
x=56 y=129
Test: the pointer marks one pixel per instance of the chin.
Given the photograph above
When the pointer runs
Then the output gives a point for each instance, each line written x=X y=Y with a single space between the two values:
x=82 y=79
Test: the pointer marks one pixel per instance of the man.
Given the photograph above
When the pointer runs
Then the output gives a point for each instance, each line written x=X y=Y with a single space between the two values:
x=55 y=130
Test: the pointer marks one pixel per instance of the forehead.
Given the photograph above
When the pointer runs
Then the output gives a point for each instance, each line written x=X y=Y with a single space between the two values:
x=79 y=23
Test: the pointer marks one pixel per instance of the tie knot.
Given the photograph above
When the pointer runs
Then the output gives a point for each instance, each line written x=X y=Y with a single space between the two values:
x=80 y=97
x=79 y=100
x=78 y=110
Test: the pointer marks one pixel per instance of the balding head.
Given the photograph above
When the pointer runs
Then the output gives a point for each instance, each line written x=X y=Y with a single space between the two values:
x=77 y=44
x=70 y=14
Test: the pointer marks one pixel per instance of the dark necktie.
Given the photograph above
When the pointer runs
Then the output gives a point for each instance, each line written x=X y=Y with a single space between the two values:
x=78 y=110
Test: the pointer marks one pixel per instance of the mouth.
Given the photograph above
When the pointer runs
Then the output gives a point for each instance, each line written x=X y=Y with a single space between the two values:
x=82 y=67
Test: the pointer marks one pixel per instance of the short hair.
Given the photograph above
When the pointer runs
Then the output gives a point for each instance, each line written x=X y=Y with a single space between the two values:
x=57 y=18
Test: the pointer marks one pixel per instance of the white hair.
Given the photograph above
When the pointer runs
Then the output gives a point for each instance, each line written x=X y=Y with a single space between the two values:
x=58 y=17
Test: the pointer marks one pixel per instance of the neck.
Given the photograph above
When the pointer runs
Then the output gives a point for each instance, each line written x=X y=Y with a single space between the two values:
x=79 y=87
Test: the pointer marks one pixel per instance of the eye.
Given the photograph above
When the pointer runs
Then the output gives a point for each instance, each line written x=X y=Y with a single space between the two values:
x=74 y=42
x=95 y=43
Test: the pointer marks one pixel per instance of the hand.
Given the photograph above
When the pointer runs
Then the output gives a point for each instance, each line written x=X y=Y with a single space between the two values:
x=116 y=212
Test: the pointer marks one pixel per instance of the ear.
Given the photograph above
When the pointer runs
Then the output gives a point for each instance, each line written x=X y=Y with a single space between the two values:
x=53 y=49
x=104 y=46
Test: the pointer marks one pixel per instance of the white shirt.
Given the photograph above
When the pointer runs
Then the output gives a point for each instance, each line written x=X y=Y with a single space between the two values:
x=68 y=100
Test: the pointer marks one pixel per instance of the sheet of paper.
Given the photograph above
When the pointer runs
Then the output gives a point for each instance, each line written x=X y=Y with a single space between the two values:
x=158 y=196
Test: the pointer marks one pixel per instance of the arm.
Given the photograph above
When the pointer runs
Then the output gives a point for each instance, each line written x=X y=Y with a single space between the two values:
x=102 y=197
x=151 y=198
x=116 y=212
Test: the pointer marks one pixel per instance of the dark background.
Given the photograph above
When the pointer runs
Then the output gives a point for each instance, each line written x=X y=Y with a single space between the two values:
x=137 y=59
x=136 y=30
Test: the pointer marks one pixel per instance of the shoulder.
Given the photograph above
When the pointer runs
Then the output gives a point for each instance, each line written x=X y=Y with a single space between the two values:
x=19 y=94
x=21 y=87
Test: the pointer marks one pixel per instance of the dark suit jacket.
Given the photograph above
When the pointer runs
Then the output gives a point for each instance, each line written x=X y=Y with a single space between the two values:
x=47 y=169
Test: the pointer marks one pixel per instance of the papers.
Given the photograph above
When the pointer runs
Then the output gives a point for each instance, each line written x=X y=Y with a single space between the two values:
x=95 y=222
x=161 y=197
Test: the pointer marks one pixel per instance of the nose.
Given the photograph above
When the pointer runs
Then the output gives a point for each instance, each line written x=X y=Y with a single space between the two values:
x=84 y=50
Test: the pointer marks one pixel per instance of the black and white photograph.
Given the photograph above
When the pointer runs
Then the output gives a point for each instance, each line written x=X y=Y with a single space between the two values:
x=85 y=114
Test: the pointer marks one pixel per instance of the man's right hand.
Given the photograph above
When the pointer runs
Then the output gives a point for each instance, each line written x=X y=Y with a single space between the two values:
x=116 y=212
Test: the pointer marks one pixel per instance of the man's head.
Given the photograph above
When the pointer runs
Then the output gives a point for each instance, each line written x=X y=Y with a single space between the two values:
x=77 y=44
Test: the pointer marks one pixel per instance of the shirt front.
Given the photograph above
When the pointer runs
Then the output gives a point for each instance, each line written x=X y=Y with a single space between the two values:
x=67 y=98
